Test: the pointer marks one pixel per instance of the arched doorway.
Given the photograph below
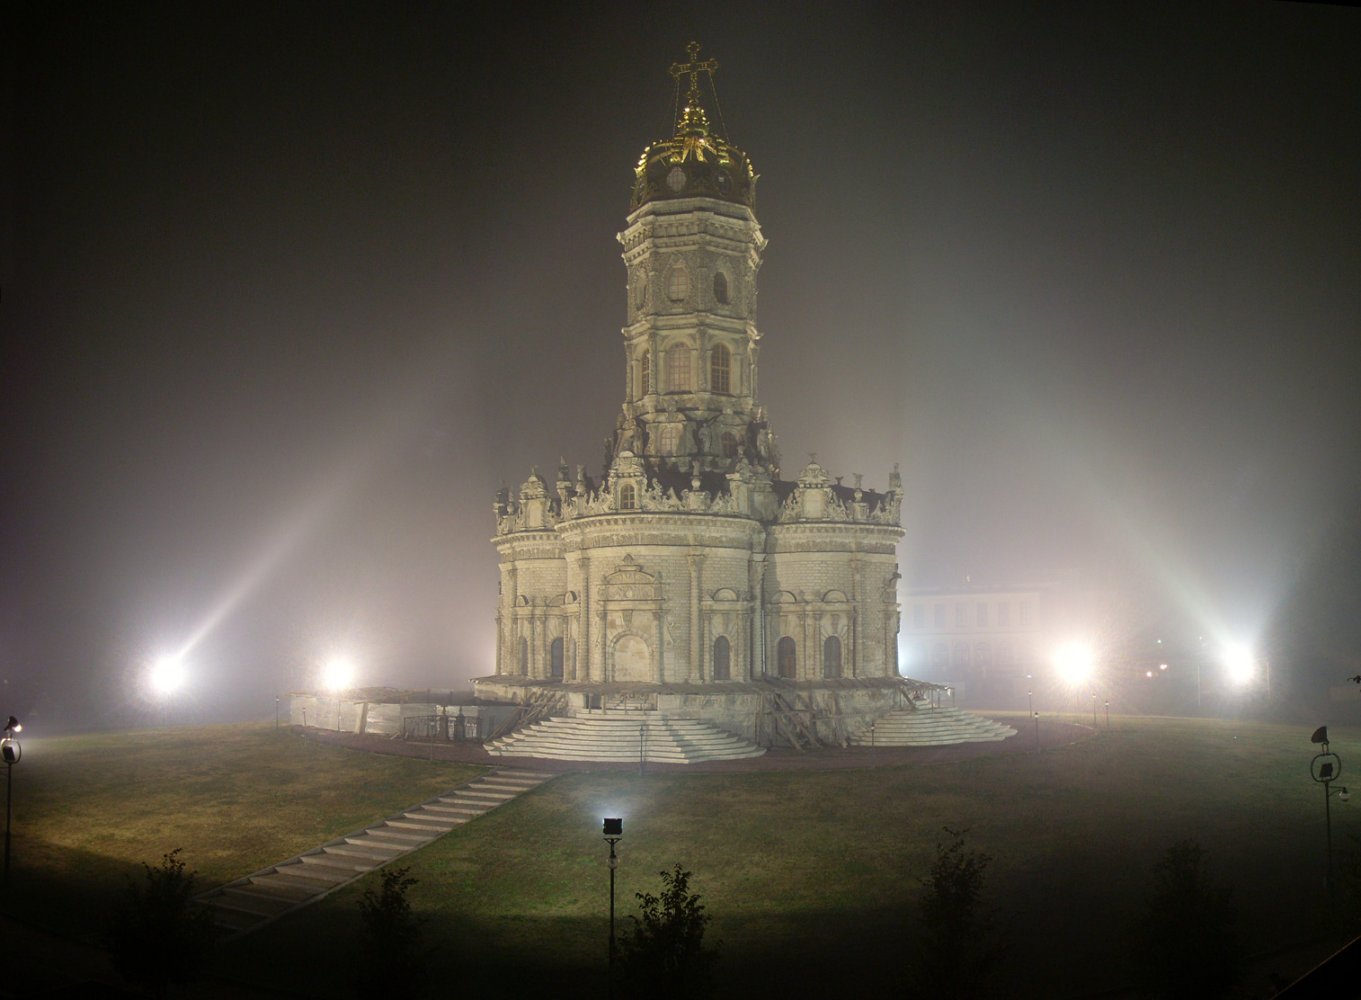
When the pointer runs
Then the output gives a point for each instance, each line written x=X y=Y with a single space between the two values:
x=555 y=660
x=785 y=658
x=632 y=660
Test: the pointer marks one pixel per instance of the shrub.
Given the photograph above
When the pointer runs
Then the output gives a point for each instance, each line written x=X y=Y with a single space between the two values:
x=664 y=954
x=157 y=935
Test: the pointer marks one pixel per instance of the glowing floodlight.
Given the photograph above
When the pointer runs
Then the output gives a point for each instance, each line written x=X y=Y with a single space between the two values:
x=167 y=675
x=12 y=726
x=1240 y=664
x=1075 y=663
x=337 y=674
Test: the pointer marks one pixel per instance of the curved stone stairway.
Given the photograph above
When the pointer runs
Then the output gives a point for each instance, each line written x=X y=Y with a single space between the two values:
x=596 y=735
x=925 y=726
x=259 y=898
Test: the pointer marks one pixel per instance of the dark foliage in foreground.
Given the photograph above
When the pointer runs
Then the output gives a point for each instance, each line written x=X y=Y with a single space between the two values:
x=157 y=936
x=391 y=959
x=1186 y=942
x=664 y=953
x=960 y=946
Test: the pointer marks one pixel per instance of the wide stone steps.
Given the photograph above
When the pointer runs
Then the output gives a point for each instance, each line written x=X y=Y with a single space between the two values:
x=925 y=726
x=613 y=736
x=257 y=899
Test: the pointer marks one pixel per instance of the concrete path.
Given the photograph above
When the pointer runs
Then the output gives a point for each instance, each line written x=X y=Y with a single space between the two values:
x=264 y=896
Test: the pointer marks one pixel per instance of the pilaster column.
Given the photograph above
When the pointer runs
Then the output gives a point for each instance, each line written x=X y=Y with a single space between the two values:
x=696 y=639
x=584 y=671
x=857 y=592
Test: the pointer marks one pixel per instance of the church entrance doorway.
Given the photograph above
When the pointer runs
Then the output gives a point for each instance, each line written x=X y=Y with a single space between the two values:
x=555 y=660
x=784 y=658
x=632 y=660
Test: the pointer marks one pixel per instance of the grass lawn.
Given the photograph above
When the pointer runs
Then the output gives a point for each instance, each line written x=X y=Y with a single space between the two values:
x=88 y=810
x=812 y=878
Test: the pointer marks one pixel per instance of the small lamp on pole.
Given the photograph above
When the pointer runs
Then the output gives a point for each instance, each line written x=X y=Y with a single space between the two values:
x=12 y=753
x=614 y=832
x=1325 y=768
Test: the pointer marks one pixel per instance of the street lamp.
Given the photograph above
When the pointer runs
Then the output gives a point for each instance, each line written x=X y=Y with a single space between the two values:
x=1030 y=710
x=614 y=832
x=12 y=753
x=1325 y=768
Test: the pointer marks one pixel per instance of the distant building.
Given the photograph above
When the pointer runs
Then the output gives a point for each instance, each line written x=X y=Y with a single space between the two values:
x=992 y=643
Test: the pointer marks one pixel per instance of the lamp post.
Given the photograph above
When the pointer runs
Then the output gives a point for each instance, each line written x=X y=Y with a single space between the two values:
x=1325 y=768
x=642 y=746
x=1030 y=710
x=614 y=832
x=12 y=753
x=1093 y=709
x=1108 y=715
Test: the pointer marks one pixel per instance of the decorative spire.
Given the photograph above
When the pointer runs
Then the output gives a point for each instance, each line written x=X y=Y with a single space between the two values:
x=693 y=118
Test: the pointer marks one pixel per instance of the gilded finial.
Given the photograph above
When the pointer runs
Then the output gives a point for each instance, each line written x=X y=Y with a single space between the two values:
x=694 y=68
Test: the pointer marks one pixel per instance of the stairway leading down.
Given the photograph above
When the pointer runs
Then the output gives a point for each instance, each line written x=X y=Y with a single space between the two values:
x=925 y=726
x=614 y=736
x=257 y=899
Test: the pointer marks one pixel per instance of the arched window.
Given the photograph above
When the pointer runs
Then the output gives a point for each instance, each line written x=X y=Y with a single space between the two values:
x=720 y=362
x=722 y=670
x=678 y=368
x=645 y=374
x=785 y=658
x=721 y=288
x=961 y=654
x=555 y=660
x=678 y=283
x=729 y=445
x=524 y=656
x=831 y=656
x=628 y=497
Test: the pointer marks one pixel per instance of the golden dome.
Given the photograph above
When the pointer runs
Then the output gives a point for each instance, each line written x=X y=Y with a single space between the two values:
x=696 y=162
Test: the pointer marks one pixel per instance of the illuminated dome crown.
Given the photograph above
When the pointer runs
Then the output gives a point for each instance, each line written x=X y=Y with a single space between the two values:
x=696 y=162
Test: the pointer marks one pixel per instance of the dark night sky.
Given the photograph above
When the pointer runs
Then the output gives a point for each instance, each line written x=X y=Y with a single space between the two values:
x=290 y=289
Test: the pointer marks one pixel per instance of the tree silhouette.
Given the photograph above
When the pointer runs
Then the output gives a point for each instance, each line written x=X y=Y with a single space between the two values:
x=1186 y=943
x=157 y=936
x=959 y=945
x=664 y=953
x=390 y=956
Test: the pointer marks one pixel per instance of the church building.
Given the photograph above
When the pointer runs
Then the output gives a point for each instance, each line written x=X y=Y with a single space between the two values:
x=691 y=575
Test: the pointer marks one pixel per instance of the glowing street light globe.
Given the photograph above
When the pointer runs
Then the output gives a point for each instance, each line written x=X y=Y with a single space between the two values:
x=1075 y=663
x=167 y=675
x=337 y=674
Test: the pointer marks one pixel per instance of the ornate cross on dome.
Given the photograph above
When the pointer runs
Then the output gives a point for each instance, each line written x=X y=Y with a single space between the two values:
x=694 y=67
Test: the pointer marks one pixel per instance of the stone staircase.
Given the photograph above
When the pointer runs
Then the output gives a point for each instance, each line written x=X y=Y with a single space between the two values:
x=595 y=735
x=925 y=726
x=257 y=899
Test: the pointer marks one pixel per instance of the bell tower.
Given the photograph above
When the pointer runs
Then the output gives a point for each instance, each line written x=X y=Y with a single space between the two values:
x=692 y=249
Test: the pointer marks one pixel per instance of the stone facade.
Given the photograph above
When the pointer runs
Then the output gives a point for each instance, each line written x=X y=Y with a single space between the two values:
x=691 y=563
